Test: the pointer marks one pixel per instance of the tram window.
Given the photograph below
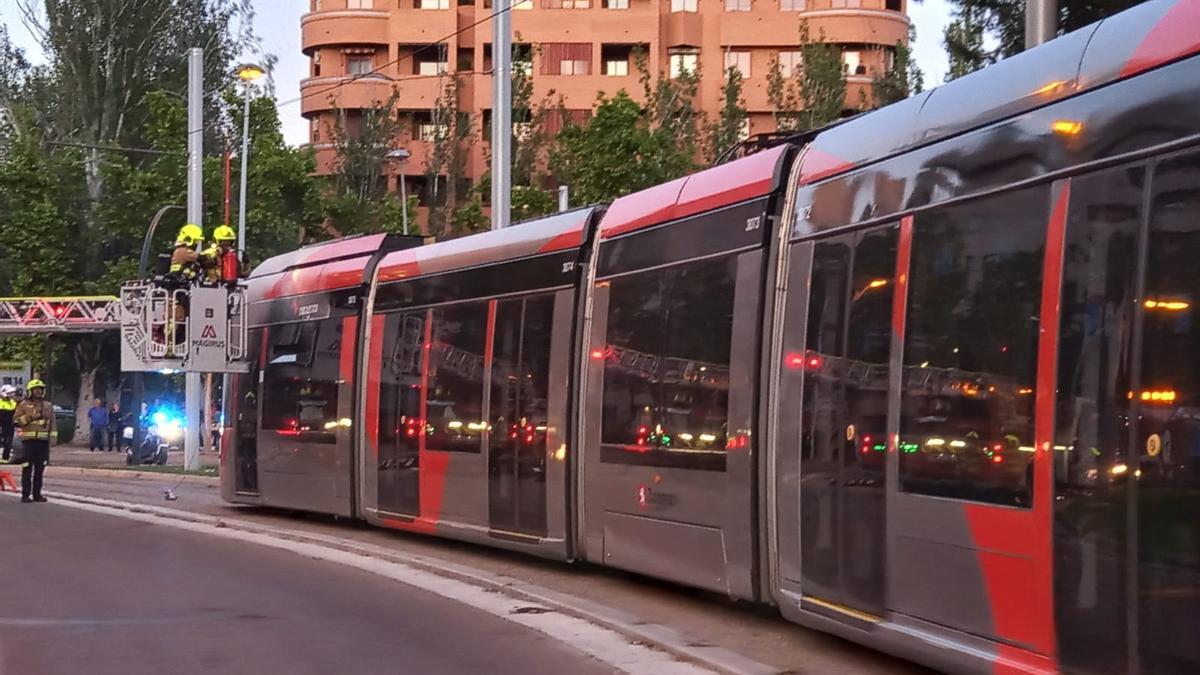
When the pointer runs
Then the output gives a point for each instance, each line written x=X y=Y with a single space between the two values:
x=302 y=378
x=454 y=402
x=521 y=371
x=1167 y=464
x=970 y=349
x=400 y=426
x=666 y=371
x=1092 y=416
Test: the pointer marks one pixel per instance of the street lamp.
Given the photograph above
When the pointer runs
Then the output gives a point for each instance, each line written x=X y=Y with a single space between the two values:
x=400 y=154
x=247 y=73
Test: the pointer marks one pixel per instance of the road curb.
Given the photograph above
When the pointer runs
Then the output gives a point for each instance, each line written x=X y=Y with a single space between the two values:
x=658 y=636
x=60 y=470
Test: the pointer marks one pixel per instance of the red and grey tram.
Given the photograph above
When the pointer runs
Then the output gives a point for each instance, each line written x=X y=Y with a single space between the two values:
x=928 y=379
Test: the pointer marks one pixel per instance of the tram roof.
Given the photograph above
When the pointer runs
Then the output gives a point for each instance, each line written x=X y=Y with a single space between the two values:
x=551 y=234
x=1144 y=37
x=747 y=178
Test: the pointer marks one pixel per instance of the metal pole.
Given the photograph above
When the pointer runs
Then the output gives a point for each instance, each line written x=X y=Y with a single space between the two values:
x=501 y=114
x=1041 y=22
x=564 y=198
x=192 y=393
x=241 y=245
x=403 y=200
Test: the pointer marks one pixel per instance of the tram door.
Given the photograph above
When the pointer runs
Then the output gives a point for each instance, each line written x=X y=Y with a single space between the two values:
x=844 y=420
x=244 y=404
x=520 y=384
x=1127 y=460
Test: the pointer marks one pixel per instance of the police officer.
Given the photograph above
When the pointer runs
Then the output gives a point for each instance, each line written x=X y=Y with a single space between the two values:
x=8 y=406
x=35 y=418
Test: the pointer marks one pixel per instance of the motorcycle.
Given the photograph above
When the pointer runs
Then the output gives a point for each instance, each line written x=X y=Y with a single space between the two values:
x=163 y=433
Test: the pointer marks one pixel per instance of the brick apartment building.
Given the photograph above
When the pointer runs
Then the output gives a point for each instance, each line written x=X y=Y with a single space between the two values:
x=584 y=46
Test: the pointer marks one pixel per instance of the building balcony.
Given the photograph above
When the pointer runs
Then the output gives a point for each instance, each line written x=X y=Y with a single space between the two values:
x=338 y=27
x=421 y=26
x=857 y=25
x=345 y=92
x=683 y=29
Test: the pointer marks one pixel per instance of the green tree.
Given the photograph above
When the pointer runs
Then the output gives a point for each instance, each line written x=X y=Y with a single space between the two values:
x=728 y=128
x=813 y=95
x=615 y=153
x=447 y=163
x=902 y=79
x=1004 y=20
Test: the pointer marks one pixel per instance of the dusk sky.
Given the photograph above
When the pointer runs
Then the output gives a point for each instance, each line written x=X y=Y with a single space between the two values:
x=278 y=23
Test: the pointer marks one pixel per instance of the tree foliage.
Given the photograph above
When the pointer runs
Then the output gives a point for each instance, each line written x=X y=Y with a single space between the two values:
x=1004 y=20
x=902 y=79
x=728 y=129
x=815 y=94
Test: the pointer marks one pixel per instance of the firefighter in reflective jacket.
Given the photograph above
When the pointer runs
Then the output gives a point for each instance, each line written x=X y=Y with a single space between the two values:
x=185 y=261
x=8 y=407
x=35 y=418
x=220 y=260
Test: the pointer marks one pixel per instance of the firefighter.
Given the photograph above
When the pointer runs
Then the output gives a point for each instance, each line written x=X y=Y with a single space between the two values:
x=35 y=418
x=185 y=261
x=8 y=406
x=220 y=260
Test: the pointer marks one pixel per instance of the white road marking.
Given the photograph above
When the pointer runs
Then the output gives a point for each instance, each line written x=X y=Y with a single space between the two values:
x=603 y=644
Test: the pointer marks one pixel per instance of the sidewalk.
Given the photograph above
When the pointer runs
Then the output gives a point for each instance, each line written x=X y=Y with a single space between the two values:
x=80 y=456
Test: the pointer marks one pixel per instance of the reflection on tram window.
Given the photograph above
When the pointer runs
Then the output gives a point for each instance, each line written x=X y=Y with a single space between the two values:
x=666 y=367
x=1167 y=465
x=302 y=378
x=1092 y=417
x=970 y=349
x=400 y=425
x=245 y=406
x=518 y=407
x=844 y=416
x=454 y=404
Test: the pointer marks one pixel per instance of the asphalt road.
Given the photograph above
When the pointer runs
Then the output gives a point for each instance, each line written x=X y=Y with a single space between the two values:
x=82 y=592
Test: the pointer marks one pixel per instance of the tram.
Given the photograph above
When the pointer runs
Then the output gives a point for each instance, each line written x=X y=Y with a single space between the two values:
x=928 y=379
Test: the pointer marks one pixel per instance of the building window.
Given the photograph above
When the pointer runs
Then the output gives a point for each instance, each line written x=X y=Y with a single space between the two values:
x=845 y=4
x=616 y=59
x=683 y=5
x=316 y=64
x=617 y=68
x=852 y=63
x=738 y=60
x=567 y=4
x=359 y=65
x=466 y=59
x=433 y=4
x=432 y=60
x=790 y=63
x=894 y=5
x=684 y=61
x=737 y=5
x=792 y=5
x=316 y=5
x=566 y=58
x=360 y=4
x=615 y=4
x=970 y=349
x=523 y=4
x=315 y=127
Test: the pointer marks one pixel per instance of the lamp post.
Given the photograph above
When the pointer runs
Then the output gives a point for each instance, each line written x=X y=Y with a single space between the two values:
x=400 y=154
x=247 y=73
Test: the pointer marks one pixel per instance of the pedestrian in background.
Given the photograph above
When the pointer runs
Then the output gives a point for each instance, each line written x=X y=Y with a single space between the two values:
x=116 y=427
x=35 y=418
x=98 y=419
x=8 y=406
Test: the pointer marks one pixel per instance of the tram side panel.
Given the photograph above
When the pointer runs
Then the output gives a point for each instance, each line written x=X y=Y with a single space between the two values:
x=301 y=398
x=669 y=402
x=466 y=401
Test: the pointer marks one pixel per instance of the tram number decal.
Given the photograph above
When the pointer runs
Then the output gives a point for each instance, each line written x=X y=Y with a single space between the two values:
x=568 y=267
x=754 y=223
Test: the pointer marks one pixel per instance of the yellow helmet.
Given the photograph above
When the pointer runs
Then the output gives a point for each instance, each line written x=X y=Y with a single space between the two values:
x=35 y=384
x=189 y=235
x=224 y=233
